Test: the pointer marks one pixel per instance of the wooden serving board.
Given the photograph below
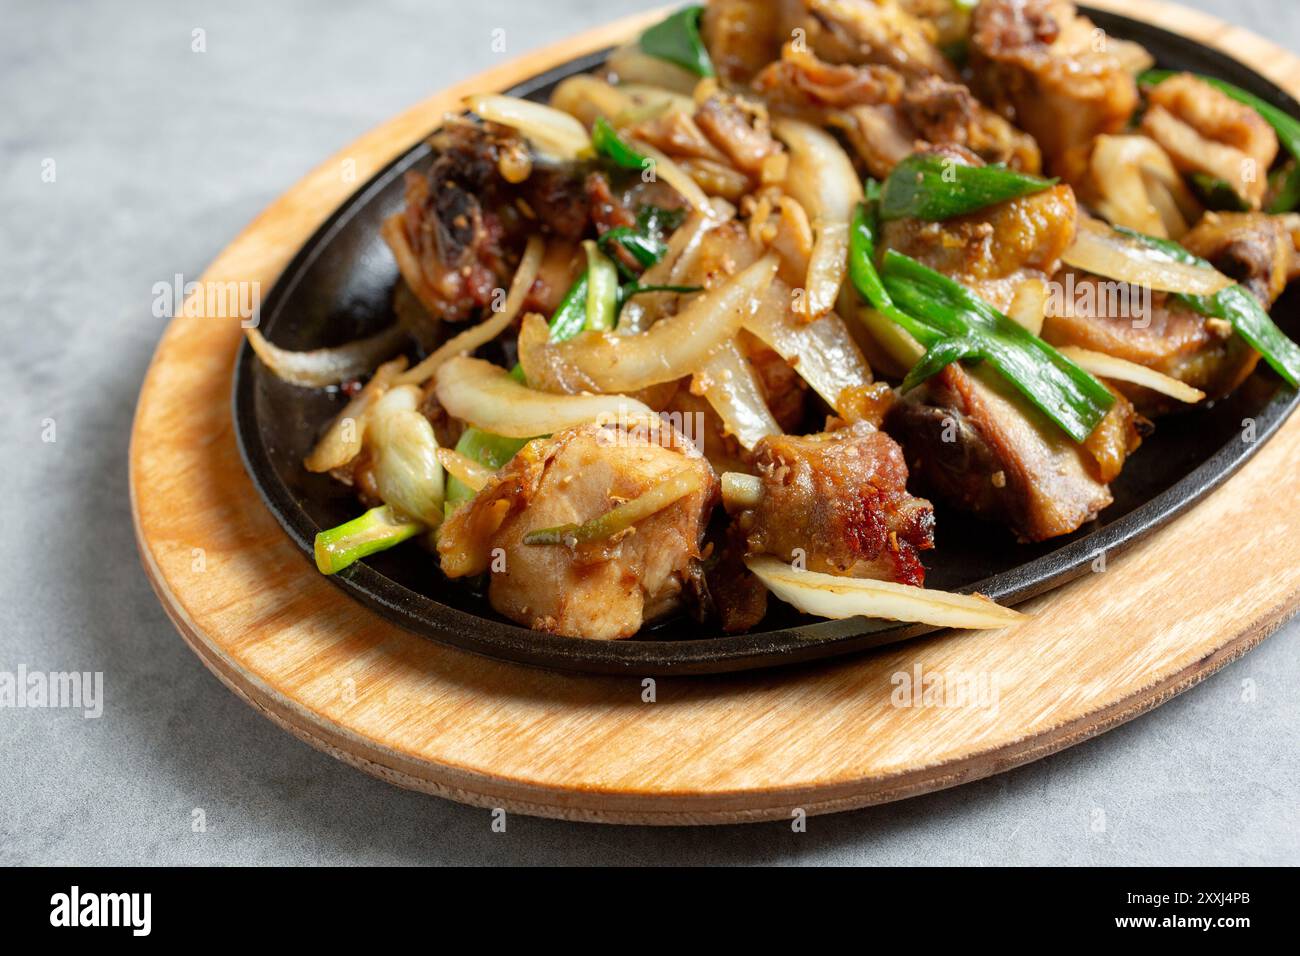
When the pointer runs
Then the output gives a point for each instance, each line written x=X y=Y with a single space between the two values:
x=1096 y=653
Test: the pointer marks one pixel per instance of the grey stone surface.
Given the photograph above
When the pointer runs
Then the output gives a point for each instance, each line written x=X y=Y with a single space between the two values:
x=161 y=155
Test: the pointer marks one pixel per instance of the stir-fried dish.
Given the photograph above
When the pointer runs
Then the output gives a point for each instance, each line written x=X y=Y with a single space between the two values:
x=718 y=322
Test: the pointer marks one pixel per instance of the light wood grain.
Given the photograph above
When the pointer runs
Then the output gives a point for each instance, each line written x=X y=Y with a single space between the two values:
x=722 y=749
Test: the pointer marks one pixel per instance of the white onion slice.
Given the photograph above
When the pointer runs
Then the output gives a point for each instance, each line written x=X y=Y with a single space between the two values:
x=827 y=267
x=728 y=382
x=406 y=467
x=551 y=131
x=487 y=397
x=822 y=352
x=464 y=469
x=1104 y=252
x=827 y=595
x=1029 y=305
x=487 y=330
x=342 y=440
x=1122 y=370
x=820 y=177
x=672 y=348
x=318 y=368
x=741 y=491
x=628 y=64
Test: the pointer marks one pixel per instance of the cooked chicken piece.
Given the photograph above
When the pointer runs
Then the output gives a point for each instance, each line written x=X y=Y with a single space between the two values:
x=838 y=502
x=742 y=36
x=1206 y=131
x=1163 y=333
x=605 y=589
x=994 y=251
x=1054 y=74
x=886 y=118
x=1261 y=252
x=866 y=31
x=739 y=128
x=973 y=441
x=1151 y=329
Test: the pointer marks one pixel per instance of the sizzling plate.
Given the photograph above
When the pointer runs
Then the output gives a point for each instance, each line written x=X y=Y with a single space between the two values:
x=338 y=287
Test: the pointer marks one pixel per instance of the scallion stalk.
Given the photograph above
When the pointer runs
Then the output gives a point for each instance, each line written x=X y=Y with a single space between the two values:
x=933 y=187
x=377 y=530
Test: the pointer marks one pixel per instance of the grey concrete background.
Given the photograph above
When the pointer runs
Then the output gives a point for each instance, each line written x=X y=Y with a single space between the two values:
x=161 y=155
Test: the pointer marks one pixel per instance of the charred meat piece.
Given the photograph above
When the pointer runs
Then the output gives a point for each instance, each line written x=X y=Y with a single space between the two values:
x=458 y=238
x=972 y=441
x=1206 y=131
x=605 y=589
x=862 y=32
x=1038 y=63
x=839 y=500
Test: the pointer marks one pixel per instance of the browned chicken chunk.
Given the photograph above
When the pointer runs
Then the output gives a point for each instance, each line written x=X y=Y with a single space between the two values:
x=885 y=117
x=866 y=31
x=974 y=442
x=839 y=502
x=604 y=589
x=994 y=251
x=1162 y=333
x=1206 y=131
x=1042 y=66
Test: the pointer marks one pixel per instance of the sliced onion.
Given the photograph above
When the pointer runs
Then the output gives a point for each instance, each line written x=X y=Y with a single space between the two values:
x=1029 y=305
x=670 y=349
x=464 y=469
x=820 y=176
x=741 y=491
x=318 y=368
x=1122 y=370
x=1104 y=252
x=406 y=468
x=1140 y=188
x=628 y=64
x=342 y=440
x=587 y=98
x=676 y=177
x=827 y=595
x=728 y=382
x=822 y=352
x=827 y=267
x=487 y=330
x=487 y=397
x=553 y=132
